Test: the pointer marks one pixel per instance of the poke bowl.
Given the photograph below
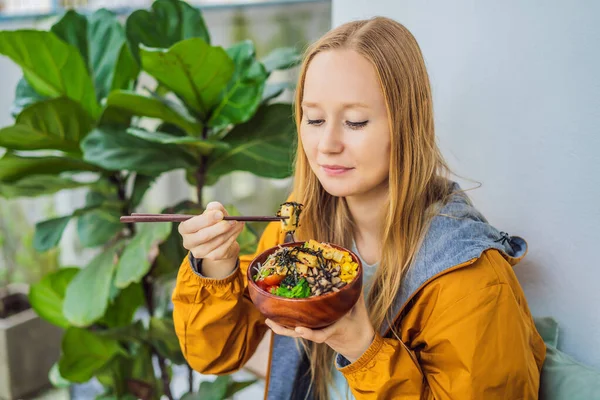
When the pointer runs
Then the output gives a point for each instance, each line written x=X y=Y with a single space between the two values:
x=307 y=284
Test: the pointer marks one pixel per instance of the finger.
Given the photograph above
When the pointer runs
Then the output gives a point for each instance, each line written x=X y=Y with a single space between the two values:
x=225 y=250
x=280 y=330
x=216 y=206
x=314 y=335
x=220 y=240
x=234 y=250
x=204 y=220
x=201 y=250
x=208 y=234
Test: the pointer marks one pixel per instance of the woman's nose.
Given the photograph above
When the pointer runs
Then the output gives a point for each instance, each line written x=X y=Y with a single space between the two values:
x=331 y=140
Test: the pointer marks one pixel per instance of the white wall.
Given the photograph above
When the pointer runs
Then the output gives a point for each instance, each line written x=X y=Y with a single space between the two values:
x=517 y=99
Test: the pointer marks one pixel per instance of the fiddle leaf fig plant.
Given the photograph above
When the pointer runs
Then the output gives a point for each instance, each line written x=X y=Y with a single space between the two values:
x=82 y=120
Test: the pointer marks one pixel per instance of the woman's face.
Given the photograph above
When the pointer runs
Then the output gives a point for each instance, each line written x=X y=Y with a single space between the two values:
x=344 y=126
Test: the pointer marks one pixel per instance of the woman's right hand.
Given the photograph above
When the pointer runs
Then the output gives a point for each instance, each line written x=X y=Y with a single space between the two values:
x=208 y=237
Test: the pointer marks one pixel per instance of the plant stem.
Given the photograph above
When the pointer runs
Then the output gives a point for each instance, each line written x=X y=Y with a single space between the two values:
x=147 y=286
x=148 y=295
x=200 y=178
x=117 y=179
x=190 y=379
x=149 y=298
x=201 y=171
x=165 y=377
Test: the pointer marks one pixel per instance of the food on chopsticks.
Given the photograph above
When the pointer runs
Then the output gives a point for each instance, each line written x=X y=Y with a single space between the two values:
x=312 y=269
x=292 y=210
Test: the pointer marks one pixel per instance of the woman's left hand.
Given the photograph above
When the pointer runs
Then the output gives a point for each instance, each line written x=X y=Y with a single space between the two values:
x=350 y=336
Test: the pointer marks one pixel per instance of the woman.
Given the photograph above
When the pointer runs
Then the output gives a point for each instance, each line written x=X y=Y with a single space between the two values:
x=443 y=315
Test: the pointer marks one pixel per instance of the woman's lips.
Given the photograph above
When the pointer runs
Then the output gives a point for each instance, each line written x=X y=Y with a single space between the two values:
x=334 y=170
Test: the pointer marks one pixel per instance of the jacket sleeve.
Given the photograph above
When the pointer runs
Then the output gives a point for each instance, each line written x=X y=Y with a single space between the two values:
x=478 y=346
x=216 y=323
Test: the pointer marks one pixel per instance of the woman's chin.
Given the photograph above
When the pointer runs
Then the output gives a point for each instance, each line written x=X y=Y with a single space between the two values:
x=338 y=189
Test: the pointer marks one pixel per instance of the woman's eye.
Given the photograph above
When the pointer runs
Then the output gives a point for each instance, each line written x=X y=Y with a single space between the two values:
x=357 y=125
x=316 y=122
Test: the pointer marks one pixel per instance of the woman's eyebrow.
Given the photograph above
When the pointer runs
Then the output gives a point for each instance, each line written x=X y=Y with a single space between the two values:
x=310 y=104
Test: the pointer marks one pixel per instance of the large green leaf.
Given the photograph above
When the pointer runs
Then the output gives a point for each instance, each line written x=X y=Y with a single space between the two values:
x=58 y=123
x=169 y=22
x=140 y=186
x=25 y=95
x=135 y=332
x=37 y=185
x=102 y=44
x=171 y=251
x=164 y=339
x=117 y=150
x=48 y=233
x=244 y=91
x=273 y=90
x=193 y=70
x=114 y=118
x=141 y=373
x=205 y=146
x=140 y=253
x=114 y=397
x=14 y=167
x=247 y=239
x=84 y=353
x=223 y=387
x=88 y=293
x=263 y=145
x=130 y=377
x=112 y=375
x=136 y=104
x=126 y=70
x=98 y=226
x=211 y=390
x=56 y=379
x=103 y=192
x=121 y=311
x=238 y=386
x=282 y=58
x=106 y=39
x=47 y=295
x=52 y=67
x=73 y=29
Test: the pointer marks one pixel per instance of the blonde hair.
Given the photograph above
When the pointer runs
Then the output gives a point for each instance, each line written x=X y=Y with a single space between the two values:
x=417 y=172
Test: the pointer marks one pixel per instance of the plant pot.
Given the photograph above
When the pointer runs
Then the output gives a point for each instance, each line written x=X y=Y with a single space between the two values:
x=29 y=346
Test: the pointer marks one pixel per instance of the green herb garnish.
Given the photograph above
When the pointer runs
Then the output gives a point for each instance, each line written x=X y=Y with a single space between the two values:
x=300 y=291
x=263 y=274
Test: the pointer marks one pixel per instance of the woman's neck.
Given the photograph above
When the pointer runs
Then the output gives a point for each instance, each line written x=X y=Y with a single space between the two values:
x=368 y=212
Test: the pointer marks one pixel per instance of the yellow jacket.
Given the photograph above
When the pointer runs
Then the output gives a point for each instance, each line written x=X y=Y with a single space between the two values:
x=466 y=332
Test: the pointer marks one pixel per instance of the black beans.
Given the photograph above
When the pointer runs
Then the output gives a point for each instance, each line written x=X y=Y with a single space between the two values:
x=324 y=279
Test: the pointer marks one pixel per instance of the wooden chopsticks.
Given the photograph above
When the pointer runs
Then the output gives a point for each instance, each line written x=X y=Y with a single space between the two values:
x=140 y=217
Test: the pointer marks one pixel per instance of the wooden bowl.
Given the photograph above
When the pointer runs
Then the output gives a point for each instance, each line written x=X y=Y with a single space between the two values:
x=312 y=312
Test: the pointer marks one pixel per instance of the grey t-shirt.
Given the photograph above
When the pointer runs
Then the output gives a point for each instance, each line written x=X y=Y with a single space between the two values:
x=341 y=390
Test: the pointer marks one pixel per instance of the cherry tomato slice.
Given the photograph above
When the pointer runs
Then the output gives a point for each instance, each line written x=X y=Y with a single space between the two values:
x=262 y=284
x=273 y=280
